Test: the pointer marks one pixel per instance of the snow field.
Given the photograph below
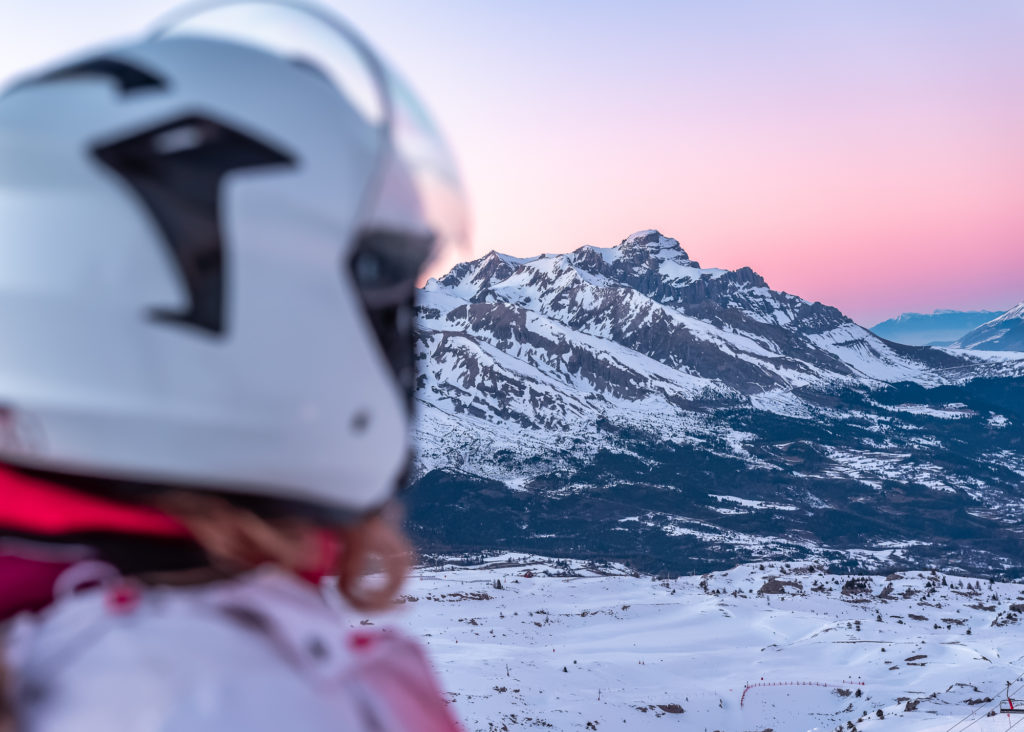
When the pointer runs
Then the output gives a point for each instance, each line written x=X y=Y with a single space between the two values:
x=578 y=646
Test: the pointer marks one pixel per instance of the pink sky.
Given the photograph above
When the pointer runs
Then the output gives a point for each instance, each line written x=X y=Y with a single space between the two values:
x=868 y=155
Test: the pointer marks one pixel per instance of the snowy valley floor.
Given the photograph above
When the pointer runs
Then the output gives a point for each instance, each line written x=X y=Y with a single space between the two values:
x=606 y=650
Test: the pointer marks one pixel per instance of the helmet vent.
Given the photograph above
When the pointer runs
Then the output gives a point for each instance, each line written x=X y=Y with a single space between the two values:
x=177 y=169
x=129 y=77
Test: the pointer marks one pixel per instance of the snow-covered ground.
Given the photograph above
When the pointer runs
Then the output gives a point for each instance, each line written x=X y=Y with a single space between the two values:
x=524 y=642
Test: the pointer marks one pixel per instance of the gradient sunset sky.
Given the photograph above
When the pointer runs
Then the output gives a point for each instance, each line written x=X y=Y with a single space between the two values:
x=866 y=154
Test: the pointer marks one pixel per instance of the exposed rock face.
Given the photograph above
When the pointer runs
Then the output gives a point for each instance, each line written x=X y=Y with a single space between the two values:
x=775 y=586
x=640 y=406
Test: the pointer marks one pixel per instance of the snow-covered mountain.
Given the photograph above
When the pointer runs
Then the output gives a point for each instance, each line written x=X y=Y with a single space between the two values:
x=1004 y=333
x=628 y=403
x=925 y=329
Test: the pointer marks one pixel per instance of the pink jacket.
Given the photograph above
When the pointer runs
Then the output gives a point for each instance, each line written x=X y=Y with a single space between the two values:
x=261 y=652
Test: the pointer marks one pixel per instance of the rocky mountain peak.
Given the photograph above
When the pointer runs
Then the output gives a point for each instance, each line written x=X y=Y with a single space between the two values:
x=653 y=241
x=494 y=266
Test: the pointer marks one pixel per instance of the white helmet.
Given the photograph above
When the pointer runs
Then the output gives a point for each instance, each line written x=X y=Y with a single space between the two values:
x=209 y=245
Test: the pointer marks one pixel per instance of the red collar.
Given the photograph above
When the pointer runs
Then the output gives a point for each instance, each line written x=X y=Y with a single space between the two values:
x=38 y=507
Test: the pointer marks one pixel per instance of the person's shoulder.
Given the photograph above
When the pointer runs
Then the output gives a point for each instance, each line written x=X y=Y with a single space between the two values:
x=262 y=651
x=376 y=675
x=134 y=658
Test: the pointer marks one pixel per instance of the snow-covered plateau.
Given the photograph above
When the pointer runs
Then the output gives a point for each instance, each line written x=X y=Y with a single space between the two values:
x=525 y=642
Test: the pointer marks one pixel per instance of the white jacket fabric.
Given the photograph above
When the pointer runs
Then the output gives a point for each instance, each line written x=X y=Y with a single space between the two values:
x=258 y=653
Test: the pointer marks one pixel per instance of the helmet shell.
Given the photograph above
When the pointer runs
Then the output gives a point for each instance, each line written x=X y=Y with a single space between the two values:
x=176 y=304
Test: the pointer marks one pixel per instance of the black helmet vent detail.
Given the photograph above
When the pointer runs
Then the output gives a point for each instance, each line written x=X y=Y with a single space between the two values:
x=177 y=169
x=128 y=76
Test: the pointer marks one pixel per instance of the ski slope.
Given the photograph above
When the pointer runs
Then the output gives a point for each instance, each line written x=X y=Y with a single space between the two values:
x=599 y=648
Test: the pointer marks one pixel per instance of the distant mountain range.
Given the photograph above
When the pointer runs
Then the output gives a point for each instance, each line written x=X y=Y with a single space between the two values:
x=625 y=403
x=1004 y=333
x=940 y=328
